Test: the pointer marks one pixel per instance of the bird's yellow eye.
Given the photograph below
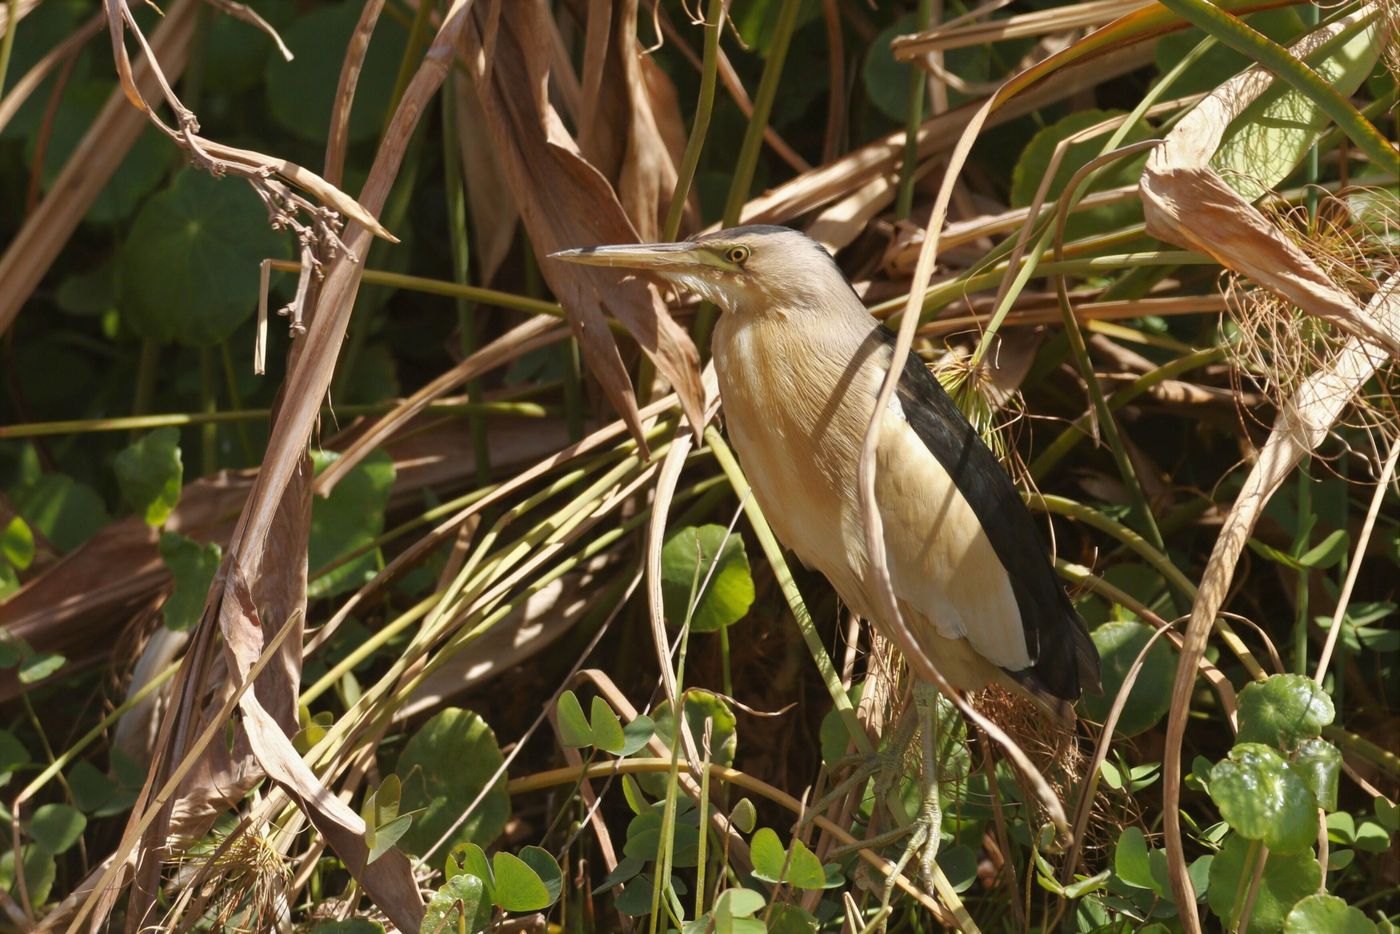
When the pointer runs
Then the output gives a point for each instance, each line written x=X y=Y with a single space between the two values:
x=737 y=255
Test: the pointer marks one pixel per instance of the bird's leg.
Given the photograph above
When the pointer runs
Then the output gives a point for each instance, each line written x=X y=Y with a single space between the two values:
x=885 y=763
x=928 y=824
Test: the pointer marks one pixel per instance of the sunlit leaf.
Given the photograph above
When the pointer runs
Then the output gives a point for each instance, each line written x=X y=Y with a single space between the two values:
x=1283 y=710
x=518 y=886
x=687 y=559
x=17 y=543
x=444 y=766
x=1263 y=799
x=1319 y=764
x=1270 y=137
x=460 y=897
x=149 y=472
x=574 y=730
x=1326 y=914
x=605 y=727
x=37 y=667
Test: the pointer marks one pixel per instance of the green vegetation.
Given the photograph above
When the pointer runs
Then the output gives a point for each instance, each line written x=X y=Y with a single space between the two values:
x=345 y=586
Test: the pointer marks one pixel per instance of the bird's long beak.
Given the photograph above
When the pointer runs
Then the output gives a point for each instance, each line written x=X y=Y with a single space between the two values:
x=657 y=257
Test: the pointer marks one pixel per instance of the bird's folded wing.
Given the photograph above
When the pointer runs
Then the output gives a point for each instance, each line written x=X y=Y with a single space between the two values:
x=942 y=563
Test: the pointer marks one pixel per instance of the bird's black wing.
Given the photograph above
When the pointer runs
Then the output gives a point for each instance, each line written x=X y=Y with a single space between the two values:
x=1064 y=657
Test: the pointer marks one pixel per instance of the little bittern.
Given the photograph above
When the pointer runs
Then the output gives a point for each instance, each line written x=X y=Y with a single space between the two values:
x=800 y=362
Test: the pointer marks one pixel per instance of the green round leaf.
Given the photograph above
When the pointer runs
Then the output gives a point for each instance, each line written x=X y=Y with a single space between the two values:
x=768 y=854
x=1283 y=710
x=738 y=903
x=460 y=896
x=1326 y=914
x=140 y=171
x=644 y=840
x=1263 y=799
x=192 y=567
x=1271 y=135
x=686 y=561
x=636 y=734
x=348 y=519
x=1119 y=642
x=804 y=870
x=744 y=816
x=700 y=705
x=959 y=865
x=443 y=768
x=149 y=473
x=1130 y=859
x=787 y=918
x=832 y=734
x=1319 y=764
x=190 y=263
x=56 y=827
x=39 y=872
x=61 y=509
x=605 y=727
x=1286 y=879
x=518 y=887
x=12 y=753
x=301 y=93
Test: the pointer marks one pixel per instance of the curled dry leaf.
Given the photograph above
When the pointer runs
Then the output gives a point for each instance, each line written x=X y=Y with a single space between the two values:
x=620 y=133
x=492 y=210
x=565 y=202
x=389 y=877
x=1186 y=202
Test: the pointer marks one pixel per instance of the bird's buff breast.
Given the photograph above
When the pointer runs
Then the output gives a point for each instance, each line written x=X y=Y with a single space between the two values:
x=799 y=444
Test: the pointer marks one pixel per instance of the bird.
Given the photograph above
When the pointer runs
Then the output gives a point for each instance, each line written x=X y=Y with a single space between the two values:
x=799 y=361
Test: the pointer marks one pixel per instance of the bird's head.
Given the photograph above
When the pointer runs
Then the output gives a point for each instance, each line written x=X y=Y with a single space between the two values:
x=741 y=269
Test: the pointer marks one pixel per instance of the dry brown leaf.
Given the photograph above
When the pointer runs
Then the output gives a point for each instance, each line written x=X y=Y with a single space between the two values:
x=1188 y=203
x=389 y=878
x=566 y=203
x=492 y=209
x=619 y=133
